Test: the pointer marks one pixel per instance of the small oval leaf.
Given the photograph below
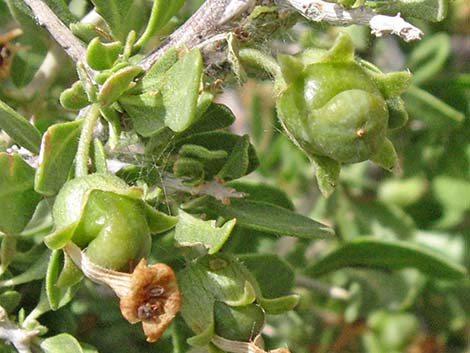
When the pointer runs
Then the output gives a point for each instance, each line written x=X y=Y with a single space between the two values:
x=101 y=56
x=118 y=83
x=180 y=91
x=58 y=149
x=17 y=197
x=265 y=217
x=63 y=343
x=191 y=231
x=19 y=129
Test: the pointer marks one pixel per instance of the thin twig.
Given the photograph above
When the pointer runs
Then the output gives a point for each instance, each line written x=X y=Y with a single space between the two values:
x=212 y=188
x=47 y=18
x=90 y=115
x=64 y=37
x=209 y=20
x=20 y=338
x=335 y=14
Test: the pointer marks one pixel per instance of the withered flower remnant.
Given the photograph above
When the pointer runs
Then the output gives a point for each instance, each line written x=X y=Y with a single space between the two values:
x=154 y=298
x=149 y=294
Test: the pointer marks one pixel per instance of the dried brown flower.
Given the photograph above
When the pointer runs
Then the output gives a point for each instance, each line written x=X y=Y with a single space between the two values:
x=153 y=298
x=150 y=294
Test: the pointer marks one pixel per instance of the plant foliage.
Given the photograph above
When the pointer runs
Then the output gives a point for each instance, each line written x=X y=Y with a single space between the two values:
x=273 y=186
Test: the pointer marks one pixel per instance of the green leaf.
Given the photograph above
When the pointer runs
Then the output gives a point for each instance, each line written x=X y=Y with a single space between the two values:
x=203 y=338
x=275 y=279
x=86 y=32
x=59 y=7
x=211 y=278
x=217 y=141
x=238 y=161
x=387 y=255
x=162 y=11
x=217 y=116
x=35 y=271
x=69 y=276
x=57 y=297
x=274 y=276
x=154 y=76
x=239 y=323
x=63 y=343
x=327 y=172
x=59 y=146
x=101 y=56
x=18 y=200
x=392 y=84
x=122 y=16
x=146 y=111
x=265 y=217
x=429 y=10
x=279 y=305
x=201 y=153
x=397 y=114
x=429 y=57
x=386 y=156
x=180 y=333
x=53 y=269
x=191 y=231
x=9 y=300
x=75 y=97
x=233 y=49
x=7 y=252
x=180 y=91
x=435 y=113
x=158 y=222
x=99 y=157
x=262 y=192
x=190 y=170
x=118 y=83
x=402 y=192
x=19 y=129
x=454 y=195
x=60 y=237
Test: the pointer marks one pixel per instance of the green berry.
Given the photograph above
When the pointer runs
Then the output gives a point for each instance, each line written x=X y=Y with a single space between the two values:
x=109 y=220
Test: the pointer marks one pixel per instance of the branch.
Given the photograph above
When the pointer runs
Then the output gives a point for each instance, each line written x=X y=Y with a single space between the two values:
x=208 y=21
x=212 y=188
x=20 y=338
x=47 y=18
x=318 y=10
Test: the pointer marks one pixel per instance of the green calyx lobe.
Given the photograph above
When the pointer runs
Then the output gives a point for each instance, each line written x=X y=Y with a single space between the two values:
x=107 y=217
x=338 y=108
x=240 y=323
x=222 y=297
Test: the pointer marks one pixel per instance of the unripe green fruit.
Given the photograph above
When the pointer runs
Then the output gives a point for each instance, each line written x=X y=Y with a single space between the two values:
x=118 y=228
x=338 y=109
x=110 y=224
x=335 y=110
x=73 y=196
